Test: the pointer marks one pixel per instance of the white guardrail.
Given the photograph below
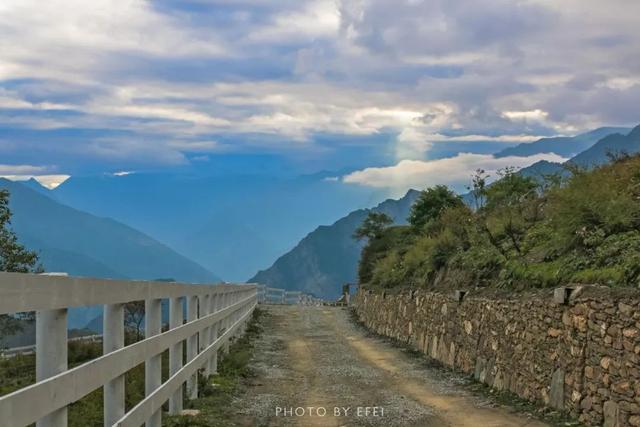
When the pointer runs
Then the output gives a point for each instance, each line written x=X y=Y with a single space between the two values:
x=215 y=313
x=268 y=295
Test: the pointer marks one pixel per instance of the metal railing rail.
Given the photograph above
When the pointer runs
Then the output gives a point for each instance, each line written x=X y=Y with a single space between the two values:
x=215 y=313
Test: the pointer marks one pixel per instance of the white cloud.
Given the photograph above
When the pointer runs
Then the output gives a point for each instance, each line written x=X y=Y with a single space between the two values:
x=509 y=139
x=51 y=181
x=623 y=83
x=318 y=18
x=11 y=101
x=70 y=38
x=455 y=171
x=21 y=169
x=438 y=71
x=534 y=115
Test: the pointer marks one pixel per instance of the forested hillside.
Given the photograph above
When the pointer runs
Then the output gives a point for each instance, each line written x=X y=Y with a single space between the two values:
x=327 y=258
x=580 y=227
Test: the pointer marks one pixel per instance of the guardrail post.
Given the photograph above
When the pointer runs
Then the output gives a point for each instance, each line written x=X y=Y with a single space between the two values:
x=213 y=334
x=192 y=347
x=176 y=318
x=205 y=310
x=227 y=321
x=238 y=316
x=153 y=365
x=232 y=316
x=222 y=324
x=113 y=339
x=231 y=321
x=51 y=356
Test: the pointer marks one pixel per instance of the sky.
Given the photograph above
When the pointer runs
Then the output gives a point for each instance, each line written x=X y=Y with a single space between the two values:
x=392 y=92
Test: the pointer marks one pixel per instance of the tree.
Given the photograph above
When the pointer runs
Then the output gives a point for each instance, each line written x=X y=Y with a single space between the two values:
x=13 y=258
x=510 y=189
x=373 y=226
x=133 y=317
x=478 y=188
x=512 y=207
x=430 y=205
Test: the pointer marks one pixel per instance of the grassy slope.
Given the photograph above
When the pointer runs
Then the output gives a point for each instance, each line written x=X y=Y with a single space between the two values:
x=585 y=231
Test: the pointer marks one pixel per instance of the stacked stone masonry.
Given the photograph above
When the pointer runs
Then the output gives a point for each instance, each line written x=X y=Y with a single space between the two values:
x=582 y=356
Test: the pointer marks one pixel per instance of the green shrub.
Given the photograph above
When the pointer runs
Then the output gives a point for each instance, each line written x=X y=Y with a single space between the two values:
x=585 y=229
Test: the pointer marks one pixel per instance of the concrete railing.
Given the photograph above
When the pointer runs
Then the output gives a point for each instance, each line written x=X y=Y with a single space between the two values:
x=215 y=313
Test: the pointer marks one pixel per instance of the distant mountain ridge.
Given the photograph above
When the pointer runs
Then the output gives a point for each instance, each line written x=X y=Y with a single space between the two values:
x=81 y=244
x=33 y=184
x=611 y=145
x=232 y=224
x=565 y=146
x=309 y=265
x=598 y=154
x=328 y=256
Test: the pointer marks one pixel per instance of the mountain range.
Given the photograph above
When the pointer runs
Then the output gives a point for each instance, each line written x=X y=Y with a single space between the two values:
x=626 y=141
x=565 y=146
x=151 y=225
x=233 y=223
x=328 y=257
x=82 y=244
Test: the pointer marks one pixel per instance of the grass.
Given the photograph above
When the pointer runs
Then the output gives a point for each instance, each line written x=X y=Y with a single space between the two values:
x=217 y=394
x=552 y=416
x=17 y=372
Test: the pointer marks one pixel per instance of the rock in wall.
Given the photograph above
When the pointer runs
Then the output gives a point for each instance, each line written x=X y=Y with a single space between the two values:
x=581 y=356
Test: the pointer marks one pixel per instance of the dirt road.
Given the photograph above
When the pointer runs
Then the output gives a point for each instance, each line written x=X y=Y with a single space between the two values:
x=315 y=367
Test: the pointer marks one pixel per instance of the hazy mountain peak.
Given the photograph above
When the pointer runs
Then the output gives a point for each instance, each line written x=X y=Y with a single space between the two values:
x=614 y=144
x=328 y=256
x=635 y=133
x=565 y=146
x=82 y=244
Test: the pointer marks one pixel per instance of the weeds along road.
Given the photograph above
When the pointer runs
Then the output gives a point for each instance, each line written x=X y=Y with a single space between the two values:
x=316 y=367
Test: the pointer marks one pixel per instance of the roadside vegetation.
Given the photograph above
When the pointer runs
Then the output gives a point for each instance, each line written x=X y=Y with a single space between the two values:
x=582 y=226
x=217 y=394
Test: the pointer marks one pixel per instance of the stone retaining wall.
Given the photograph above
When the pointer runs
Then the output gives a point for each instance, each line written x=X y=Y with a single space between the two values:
x=582 y=356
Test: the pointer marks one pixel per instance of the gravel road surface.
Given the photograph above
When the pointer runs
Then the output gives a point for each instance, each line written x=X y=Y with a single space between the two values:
x=315 y=367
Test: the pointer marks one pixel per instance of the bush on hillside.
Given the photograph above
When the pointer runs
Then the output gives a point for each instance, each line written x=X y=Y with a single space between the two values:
x=524 y=234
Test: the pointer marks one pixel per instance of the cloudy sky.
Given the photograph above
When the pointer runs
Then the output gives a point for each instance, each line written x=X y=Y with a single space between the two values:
x=378 y=88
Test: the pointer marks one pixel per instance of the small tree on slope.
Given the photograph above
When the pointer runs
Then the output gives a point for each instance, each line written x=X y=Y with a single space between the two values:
x=373 y=226
x=13 y=258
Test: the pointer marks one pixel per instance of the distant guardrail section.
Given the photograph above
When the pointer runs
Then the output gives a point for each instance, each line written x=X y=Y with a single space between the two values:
x=267 y=295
